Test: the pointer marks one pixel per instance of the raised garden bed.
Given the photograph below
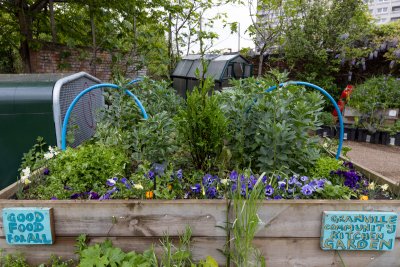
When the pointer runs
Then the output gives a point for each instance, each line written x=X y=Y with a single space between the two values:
x=289 y=234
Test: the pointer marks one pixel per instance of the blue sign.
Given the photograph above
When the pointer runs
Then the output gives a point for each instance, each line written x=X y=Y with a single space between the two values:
x=355 y=230
x=28 y=226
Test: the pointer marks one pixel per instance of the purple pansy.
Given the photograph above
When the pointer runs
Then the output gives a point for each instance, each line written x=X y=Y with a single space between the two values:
x=75 y=196
x=304 y=179
x=93 y=195
x=282 y=185
x=234 y=175
x=53 y=198
x=196 y=188
x=307 y=190
x=46 y=171
x=151 y=175
x=211 y=192
x=112 y=181
x=208 y=180
x=179 y=174
x=278 y=197
x=126 y=183
x=269 y=190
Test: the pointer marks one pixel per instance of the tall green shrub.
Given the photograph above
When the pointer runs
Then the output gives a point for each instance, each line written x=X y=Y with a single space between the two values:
x=202 y=126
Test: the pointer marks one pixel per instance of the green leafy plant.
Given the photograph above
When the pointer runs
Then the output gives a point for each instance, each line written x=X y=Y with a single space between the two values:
x=177 y=255
x=34 y=158
x=246 y=224
x=270 y=131
x=81 y=170
x=202 y=126
x=374 y=96
x=12 y=260
x=106 y=255
x=325 y=165
x=336 y=192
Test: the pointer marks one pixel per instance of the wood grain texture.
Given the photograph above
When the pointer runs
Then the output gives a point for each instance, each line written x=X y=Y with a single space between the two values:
x=283 y=218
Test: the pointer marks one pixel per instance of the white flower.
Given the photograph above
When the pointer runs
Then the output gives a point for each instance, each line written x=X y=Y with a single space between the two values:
x=384 y=187
x=371 y=186
x=26 y=171
x=48 y=155
x=138 y=186
x=25 y=179
x=224 y=181
x=325 y=145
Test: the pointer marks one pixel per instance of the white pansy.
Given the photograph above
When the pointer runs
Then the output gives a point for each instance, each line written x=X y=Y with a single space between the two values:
x=26 y=171
x=224 y=181
x=48 y=155
x=25 y=179
x=138 y=186
x=371 y=186
x=384 y=187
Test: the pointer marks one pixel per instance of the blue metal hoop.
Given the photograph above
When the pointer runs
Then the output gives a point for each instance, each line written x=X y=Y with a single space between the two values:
x=341 y=130
x=97 y=86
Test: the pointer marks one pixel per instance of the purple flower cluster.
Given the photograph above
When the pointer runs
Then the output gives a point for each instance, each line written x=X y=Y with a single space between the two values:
x=352 y=179
x=293 y=187
x=246 y=183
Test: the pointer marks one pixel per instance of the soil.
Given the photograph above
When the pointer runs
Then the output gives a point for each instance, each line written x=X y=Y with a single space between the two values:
x=379 y=158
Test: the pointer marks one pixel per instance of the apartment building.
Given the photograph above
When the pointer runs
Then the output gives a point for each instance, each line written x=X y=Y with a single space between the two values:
x=384 y=11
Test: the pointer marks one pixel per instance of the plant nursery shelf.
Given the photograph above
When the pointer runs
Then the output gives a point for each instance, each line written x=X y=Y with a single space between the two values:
x=289 y=234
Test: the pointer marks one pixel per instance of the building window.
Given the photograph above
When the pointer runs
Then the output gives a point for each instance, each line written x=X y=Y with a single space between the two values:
x=381 y=1
x=394 y=18
x=371 y=11
x=382 y=10
x=381 y=20
x=396 y=8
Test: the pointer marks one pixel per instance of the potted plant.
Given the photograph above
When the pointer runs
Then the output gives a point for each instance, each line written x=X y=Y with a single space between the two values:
x=391 y=136
x=327 y=128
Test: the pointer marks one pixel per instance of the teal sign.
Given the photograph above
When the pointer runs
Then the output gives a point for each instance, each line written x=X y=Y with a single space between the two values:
x=28 y=226
x=354 y=230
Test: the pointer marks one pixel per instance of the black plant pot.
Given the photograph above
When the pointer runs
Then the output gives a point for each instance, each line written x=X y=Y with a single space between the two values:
x=388 y=139
x=349 y=133
x=365 y=136
x=327 y=131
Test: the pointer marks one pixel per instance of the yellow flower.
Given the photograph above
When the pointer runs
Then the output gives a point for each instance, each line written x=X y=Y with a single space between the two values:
x=384 y=187
x=169 y=187
x=363 y=197
x=149 y=194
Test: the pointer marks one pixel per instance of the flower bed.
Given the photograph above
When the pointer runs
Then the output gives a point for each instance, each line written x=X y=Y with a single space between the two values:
x=221 y=164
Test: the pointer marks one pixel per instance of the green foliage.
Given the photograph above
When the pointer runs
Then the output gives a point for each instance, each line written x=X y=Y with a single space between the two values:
x=372 y=97
x=327 y=119
x=34 y=158
x=269 y=131
x=180 y=255
x=12 y=260
x=245 y=225
x=106 y=255
x=331 y=191
x=83 y=169
x=202 y=126
x=324 y=165
x=326 y=33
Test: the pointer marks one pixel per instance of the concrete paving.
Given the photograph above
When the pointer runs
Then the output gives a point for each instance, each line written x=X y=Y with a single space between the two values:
x=384 y=160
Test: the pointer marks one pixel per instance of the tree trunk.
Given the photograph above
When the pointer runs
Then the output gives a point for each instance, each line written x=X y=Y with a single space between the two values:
x=25 y=26
x=260 y=64
x=52 y=22
x=170 y=52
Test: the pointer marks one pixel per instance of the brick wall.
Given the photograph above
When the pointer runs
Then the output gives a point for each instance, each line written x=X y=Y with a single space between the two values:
x=53 y=58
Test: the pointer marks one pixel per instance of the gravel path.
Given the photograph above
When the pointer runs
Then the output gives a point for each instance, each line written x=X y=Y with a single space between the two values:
x=379 y=158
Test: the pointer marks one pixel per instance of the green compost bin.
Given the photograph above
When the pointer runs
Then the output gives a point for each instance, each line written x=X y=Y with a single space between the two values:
x=33 y=105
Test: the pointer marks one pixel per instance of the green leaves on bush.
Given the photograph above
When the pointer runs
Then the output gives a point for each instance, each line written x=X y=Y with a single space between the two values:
x=271 y=131
x=202 y=126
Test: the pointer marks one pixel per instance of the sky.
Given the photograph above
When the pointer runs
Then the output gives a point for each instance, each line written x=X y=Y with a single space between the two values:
x=226 y=40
